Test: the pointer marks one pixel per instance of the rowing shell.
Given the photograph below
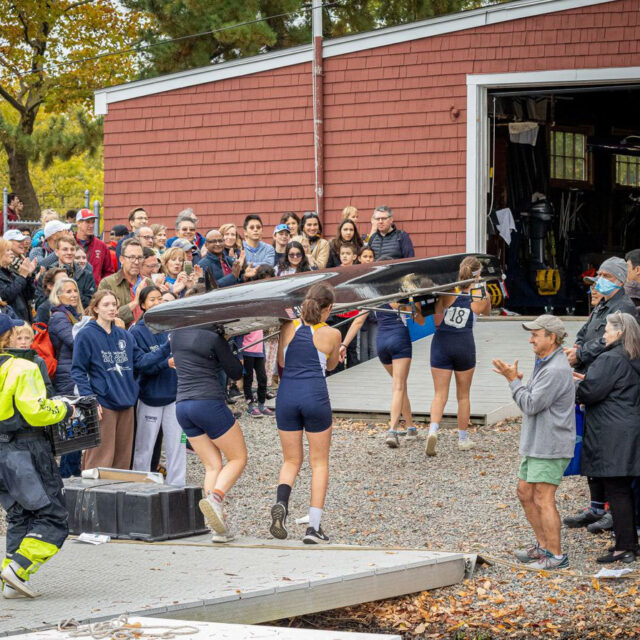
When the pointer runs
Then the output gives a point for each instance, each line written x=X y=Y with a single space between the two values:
x=262 y=304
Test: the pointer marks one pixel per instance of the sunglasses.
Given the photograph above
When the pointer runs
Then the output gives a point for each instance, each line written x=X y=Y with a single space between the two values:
x=295 y=254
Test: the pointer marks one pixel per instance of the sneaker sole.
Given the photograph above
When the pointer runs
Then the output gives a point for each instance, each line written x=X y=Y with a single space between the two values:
x=17 y=585
x=313 y=540
x=212 y=518
x=278 y=516
x=391 y=443
x=222 y=539
x=432 y=441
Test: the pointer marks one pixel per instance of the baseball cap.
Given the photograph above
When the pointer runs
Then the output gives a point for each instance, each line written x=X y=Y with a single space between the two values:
x=617 y=267
x=53 y=226
x=120 y=230
x=282 y=227
x=184 y=244
x=14 y=234
x=549 y=323
x=85 y=214
x=7 y=323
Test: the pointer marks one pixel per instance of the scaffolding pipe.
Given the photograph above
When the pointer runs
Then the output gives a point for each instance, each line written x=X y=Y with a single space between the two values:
x=96 y=224
x=87 y=198
x=318 y=108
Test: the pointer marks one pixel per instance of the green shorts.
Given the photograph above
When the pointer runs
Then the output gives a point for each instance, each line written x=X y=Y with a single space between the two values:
x=547 y=470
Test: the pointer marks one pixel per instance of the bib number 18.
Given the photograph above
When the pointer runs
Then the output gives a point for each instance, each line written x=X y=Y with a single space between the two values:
x=456 y=317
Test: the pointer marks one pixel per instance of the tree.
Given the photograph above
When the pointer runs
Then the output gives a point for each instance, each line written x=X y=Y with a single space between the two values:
x=44 y=46
x=285 y=23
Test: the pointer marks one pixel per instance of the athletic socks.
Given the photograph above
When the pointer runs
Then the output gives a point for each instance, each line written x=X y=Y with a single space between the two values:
x=315 y=515
x=433 y=427
x=463 y=435
x=218 y=495
x=282 y=494
x=597 y=507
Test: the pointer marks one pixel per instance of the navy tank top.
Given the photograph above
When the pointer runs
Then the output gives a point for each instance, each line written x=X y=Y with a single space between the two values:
x=458 y=318
x=302 y=360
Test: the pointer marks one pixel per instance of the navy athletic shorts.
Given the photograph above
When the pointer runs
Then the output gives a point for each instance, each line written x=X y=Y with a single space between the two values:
x=303 y=404
x=456 y=352
x=200 y=417
x=393 y=345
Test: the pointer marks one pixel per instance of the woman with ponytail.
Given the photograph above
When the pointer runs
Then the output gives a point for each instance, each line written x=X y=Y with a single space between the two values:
x=307 y=348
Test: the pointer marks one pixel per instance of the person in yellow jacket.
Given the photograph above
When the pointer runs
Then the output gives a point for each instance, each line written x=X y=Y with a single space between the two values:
x=30 y=483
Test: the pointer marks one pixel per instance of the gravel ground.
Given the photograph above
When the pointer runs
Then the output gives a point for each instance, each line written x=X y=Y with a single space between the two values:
x=457 y=502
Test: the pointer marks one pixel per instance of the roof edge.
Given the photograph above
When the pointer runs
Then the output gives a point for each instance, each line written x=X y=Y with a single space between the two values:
x=339 y=46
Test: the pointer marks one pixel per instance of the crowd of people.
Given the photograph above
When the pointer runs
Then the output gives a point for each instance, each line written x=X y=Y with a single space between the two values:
x=88 y=299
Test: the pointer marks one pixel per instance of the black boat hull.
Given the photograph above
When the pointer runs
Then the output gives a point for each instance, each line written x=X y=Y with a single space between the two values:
x=261 y=304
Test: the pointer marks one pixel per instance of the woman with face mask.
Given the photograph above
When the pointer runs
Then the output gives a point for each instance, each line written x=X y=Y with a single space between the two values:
x=312 y=230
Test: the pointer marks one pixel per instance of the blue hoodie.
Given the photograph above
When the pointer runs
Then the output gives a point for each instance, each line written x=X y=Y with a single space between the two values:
x=158 y=381
x=104 y=363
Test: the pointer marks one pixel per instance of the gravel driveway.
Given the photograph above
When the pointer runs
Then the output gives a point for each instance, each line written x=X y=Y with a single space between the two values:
x=455 y=501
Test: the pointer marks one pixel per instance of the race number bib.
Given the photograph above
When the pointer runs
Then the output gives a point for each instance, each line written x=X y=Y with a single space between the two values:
x=456 y=317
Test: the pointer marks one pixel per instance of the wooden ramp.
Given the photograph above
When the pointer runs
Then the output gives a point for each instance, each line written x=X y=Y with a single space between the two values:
x=246 y=582
x=366 y=389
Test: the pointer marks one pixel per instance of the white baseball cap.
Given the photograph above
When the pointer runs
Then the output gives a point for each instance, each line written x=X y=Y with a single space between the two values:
x=14 y=234
x=53 y=226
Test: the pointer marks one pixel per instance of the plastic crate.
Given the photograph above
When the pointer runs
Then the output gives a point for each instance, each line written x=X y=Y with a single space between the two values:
x=79 y=432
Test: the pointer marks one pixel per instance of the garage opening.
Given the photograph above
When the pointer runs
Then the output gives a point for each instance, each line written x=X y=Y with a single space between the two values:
x=564 y=189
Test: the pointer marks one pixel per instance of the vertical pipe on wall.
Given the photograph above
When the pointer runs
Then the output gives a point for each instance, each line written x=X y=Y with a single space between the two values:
x=318 y=108
x=5 y=210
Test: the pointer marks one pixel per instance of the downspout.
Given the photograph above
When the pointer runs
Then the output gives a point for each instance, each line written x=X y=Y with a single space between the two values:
x=318 y=108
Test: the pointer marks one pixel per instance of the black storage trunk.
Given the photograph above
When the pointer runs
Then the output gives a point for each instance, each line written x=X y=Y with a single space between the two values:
x=133 y=510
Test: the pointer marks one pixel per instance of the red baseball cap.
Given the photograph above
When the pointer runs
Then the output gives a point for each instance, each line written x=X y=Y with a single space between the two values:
x=85 y=214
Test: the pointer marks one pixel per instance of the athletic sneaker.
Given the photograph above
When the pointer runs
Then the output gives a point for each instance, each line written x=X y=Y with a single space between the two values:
x=11 y=578
x=253 y=411
x=532 y=554
x=551 y=563
x=220 y=538
x=584 y=518
x=412 y=432
x=432 y=440
x=278 y=527
x=213 y=512
x=265 y=411
x=9 y=593
x=315 y=537
x=234 y=392
x=466 y=445
x=392 y=439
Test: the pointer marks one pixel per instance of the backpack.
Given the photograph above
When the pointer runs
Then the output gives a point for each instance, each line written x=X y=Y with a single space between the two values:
x=43 y=346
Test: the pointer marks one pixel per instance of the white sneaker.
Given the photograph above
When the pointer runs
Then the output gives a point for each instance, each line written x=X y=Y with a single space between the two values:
x=221 y=538
x=10 y=593
x=213 y=512
x=432 y=441
x=466 y=445
x=15 y=583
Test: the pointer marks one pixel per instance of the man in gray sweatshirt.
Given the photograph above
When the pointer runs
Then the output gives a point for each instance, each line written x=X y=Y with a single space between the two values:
x=547 y=439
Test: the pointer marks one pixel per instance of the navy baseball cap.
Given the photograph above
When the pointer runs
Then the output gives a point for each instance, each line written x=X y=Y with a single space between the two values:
x=7 y=323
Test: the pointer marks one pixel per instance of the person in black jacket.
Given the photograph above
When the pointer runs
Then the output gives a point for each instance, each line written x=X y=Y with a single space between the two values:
x=609 y=283
x=223 y=268
x=212 y=430
x=610 y=391
x=16 y=283
x=66 y=311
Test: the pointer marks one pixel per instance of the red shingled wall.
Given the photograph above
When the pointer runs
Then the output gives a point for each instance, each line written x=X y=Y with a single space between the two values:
x=245 y=145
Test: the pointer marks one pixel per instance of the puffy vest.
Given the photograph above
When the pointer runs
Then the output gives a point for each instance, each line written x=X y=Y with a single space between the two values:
x=386 y=247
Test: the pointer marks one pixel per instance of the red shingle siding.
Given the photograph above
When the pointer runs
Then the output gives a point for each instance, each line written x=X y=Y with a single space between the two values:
x=245 y=145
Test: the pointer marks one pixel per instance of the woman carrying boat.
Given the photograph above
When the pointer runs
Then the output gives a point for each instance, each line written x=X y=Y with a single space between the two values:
x=199 y=356
x=307 y=348
x=393 y=345
x=453 y=351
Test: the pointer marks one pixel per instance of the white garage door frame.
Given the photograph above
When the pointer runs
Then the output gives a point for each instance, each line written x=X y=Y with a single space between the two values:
x=478 y=128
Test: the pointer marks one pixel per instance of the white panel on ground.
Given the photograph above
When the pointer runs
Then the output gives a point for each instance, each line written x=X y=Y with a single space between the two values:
x=220 y=631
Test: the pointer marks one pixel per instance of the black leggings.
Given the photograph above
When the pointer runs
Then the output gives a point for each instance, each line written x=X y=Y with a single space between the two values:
x=621 y=502
x=252 y=364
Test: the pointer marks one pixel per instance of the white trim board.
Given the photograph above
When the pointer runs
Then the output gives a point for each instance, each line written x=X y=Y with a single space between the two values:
x=478 y=135
x=514 y=10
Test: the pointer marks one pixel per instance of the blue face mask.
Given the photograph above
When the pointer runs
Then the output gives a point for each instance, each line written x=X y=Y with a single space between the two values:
x=606 y=287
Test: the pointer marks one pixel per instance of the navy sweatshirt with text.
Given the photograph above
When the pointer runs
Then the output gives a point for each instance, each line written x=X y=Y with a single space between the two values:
x=104 y=364
x=158 y=382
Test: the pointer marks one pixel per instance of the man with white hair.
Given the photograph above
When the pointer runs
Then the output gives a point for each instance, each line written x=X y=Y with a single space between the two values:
x=45 y=255
x=547 y=438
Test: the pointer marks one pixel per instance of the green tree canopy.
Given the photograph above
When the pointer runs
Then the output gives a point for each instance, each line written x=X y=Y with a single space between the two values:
x=49 y=57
